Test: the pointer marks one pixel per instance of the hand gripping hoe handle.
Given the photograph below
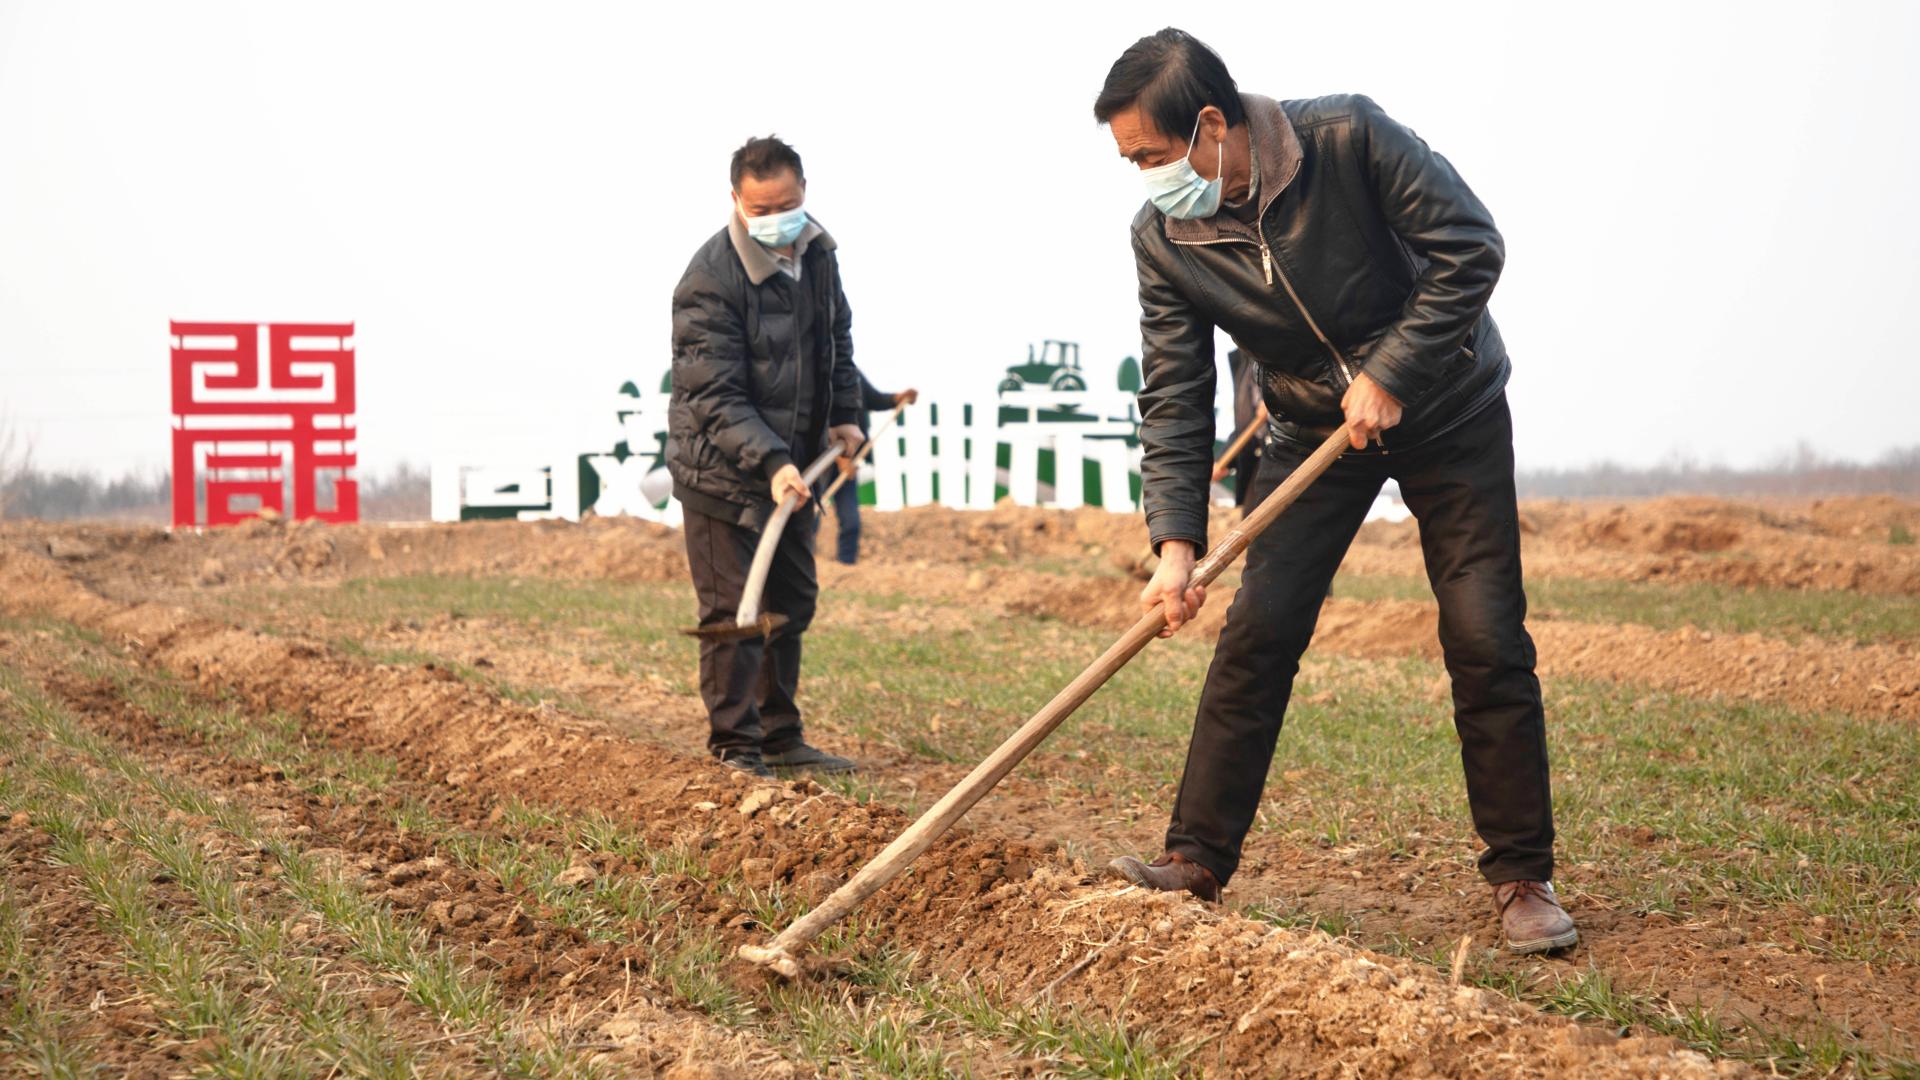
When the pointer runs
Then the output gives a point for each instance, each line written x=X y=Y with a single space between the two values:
x=782 y=953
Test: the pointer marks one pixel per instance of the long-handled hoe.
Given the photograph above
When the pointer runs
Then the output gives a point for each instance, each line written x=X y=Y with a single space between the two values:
x=782 y=953
x=750 y=621
x=1239 y=443
x=826 y=497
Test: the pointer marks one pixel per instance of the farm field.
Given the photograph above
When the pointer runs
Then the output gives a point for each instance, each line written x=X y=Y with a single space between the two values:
x=432 y=800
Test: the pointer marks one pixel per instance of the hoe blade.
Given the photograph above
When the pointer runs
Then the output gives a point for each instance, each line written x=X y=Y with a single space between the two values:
x=763 y=627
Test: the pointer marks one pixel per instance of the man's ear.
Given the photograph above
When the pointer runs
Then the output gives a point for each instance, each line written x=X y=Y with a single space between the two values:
x=1214 y=123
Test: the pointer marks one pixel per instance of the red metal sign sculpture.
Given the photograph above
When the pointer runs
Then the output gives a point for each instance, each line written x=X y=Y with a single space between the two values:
x=242 y=438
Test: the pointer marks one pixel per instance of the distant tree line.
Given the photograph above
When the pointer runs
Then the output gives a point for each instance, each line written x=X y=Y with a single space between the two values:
x=27 y=491
x=402 y=493
x=1803 y=473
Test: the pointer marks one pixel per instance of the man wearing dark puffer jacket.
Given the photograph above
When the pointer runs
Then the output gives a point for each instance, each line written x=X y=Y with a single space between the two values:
x=1353 y=264
x=763 y=377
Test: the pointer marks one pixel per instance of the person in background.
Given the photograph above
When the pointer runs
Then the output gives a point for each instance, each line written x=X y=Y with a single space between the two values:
x=763 y=377
x=846 y=501
x=1246 y=406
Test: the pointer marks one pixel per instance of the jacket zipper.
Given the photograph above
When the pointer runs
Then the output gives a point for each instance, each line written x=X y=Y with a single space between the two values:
x=1267 y=267
x=793 y=415
x=1266 y=259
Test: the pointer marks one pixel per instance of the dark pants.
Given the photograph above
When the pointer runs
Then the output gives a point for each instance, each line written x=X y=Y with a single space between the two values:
x=1460 y=488
x=749 y=686
x=1245 y=468
x=846 y=511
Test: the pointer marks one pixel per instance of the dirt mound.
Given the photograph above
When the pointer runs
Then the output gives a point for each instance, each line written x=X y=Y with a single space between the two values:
x=139 y=564
x=1865 y=517
x=1012 y=915
x=1378 y=629
x=135 y=563
x=1762 y=545
x=1704 y=530
x=1829 y=545
x=1866 y=680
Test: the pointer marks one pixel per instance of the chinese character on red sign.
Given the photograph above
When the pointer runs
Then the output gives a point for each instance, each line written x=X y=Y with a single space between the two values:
x=242 y=436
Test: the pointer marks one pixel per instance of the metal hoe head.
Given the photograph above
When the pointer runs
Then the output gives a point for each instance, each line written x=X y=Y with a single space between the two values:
x=764 y=626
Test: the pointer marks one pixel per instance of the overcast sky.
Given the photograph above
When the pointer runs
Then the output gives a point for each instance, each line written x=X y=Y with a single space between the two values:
x=1709 y=208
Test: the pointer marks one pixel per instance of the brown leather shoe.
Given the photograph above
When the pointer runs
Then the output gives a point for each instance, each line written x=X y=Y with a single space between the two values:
x=1531 y=917
x=1169 y=873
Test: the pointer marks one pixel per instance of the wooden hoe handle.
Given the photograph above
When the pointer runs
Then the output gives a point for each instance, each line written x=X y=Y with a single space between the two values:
x=1240 y=442
x=749 y=613
x=780 y=954
x=865 y=449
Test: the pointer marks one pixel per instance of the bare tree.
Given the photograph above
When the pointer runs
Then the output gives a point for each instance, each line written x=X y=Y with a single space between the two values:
x=16 y=460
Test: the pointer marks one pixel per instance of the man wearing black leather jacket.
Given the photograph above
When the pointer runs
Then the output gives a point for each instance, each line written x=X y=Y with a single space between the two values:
x=1353 y=265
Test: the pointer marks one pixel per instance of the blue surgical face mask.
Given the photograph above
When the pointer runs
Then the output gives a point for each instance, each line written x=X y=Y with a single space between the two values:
x=1180 y=192
x=777 y=230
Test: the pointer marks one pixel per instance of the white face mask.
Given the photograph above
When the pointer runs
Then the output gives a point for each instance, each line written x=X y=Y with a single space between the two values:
x=777 y=230
x=1178 y=191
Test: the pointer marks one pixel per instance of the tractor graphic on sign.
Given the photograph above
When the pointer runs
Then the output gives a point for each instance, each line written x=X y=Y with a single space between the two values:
x=1056 y=367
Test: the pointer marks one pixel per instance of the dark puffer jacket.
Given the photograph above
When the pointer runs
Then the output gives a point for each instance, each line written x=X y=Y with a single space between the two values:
x=1369 y=254
x=762 y=366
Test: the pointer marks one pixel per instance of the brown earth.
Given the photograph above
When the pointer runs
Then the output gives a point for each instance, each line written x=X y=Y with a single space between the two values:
x=948 y=558
x=591 y=991
x=1726 y=958
x=1017 y=916
x=1817 y=674
x=985 y=558
x=1834 y=544
x=89 y=981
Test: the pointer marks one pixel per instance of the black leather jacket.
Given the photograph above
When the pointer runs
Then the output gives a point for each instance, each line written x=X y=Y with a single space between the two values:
x=1369 y=253
x=745 y=357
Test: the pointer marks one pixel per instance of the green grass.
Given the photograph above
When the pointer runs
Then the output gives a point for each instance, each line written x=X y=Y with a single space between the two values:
x=1300 y=917
x=1748 y=805
x=199 y=968
x=1665 y=803
x=890 y=1023
x=210 y=987
x=1592 y=995
x=35 y=1033
x=1788 y=613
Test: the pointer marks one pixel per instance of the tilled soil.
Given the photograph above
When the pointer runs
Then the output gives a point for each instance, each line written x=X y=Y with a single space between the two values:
x=1017 y=916
x=89 y=980
x=976 y=558
x=1834 y=544
x=1814 y=674
x=1724 y=959
x=588 y=993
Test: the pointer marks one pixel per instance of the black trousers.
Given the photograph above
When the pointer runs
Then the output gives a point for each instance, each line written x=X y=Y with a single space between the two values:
x=1245 y=468
x=1460 y=488
x=749 y=686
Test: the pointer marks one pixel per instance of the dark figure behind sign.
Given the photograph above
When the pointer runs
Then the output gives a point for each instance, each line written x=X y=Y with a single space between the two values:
x=846 y=501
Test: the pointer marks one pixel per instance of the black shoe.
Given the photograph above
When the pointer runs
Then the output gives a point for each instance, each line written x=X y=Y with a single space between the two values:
x=808 y=758
x=747 y=761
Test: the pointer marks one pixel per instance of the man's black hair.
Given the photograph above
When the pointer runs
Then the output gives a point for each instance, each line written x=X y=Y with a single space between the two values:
x=765 y=158
x=1172 y=75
